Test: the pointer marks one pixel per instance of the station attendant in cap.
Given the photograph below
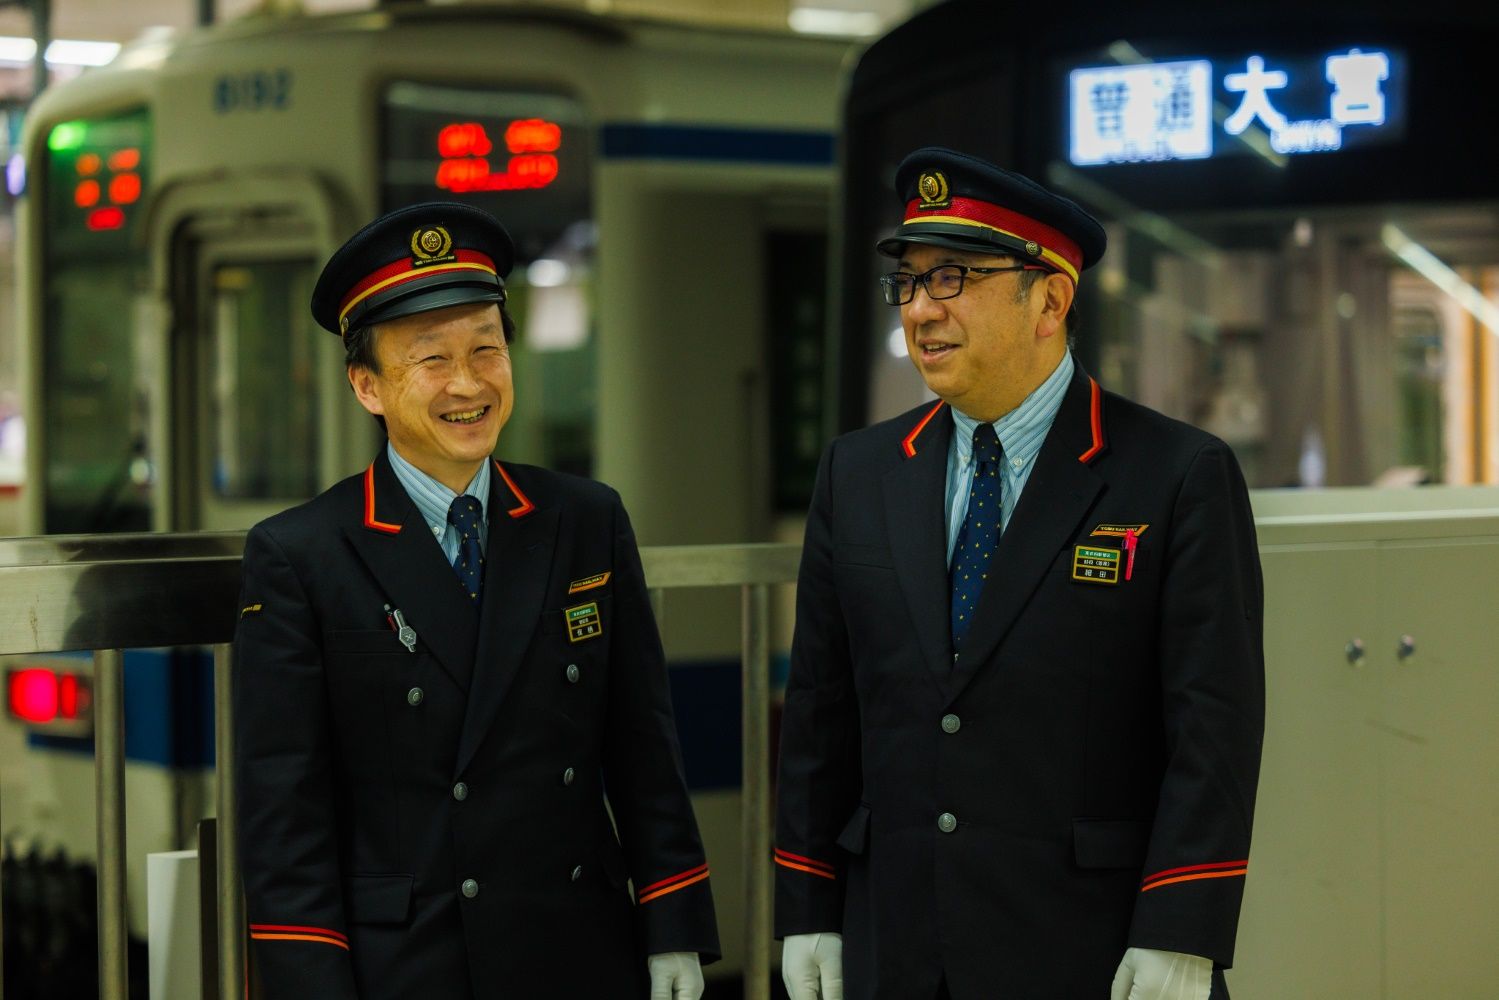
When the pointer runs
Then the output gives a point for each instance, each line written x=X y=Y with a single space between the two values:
x=1022 y=728
x=442 y=665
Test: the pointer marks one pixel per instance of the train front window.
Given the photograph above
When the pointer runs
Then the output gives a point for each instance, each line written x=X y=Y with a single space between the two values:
x=526 y=158
x=95 y=410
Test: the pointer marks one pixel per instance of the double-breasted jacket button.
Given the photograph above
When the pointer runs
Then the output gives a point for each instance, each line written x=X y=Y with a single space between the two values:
x=567 y=776
x=947 y=822
x=951 y=723
x=573 y=673
x=460 y=791
x=577 y=873
x=414 y=697
x=470 y=888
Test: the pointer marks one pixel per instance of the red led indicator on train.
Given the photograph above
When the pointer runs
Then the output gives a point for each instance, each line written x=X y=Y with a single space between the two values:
x=533 y=135
x=110 y=217
x=463 y=146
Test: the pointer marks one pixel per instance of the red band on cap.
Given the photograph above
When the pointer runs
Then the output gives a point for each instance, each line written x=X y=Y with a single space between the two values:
x=991 y=216
x=398 y=273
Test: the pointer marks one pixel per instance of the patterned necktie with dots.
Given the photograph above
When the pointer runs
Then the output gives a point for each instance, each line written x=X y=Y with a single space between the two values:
x=464 y=515
x=979 y=536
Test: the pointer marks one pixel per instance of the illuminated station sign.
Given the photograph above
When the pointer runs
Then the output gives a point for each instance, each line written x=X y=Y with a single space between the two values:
x=1193 y=109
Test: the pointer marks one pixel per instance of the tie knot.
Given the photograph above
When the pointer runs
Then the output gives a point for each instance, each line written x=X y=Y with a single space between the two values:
x=464 y=513
x=985 y=444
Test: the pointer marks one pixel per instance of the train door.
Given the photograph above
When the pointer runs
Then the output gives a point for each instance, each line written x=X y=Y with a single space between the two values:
x=259 y=417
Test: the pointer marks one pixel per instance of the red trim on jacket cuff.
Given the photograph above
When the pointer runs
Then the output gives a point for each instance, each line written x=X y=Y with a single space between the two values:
x=1193 y=873
x=811 y=866
x=293 y=932
x=681 y=880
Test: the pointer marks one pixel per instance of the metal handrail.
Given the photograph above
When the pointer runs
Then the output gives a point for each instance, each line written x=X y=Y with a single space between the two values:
x=107 y=593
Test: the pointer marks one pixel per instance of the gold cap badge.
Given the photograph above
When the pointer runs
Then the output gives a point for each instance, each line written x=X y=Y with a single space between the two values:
x=430 y=244
x=1033 y=248
x=933 y=190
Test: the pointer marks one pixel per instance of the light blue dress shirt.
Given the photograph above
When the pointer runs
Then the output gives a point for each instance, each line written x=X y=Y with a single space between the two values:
x=1021 y=434
x=433 y=499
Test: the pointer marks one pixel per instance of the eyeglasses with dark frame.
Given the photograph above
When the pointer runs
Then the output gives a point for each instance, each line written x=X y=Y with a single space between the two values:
x=945 y=281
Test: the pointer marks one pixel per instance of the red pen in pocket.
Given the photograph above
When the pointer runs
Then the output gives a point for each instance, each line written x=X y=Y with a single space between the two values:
x=1129 y=546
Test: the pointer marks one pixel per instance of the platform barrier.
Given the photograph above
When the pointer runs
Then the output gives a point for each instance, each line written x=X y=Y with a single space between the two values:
x=108 y=593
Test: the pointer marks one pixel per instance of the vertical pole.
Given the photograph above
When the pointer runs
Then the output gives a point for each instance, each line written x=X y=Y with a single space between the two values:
x=755 y=812
x=226 y=856
x=41 y=30
x=109 y=801
x=207 y=13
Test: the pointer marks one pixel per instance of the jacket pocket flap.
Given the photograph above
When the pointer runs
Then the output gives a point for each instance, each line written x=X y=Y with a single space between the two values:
x=1110 y=843
x=855 y=836
x=378 y=899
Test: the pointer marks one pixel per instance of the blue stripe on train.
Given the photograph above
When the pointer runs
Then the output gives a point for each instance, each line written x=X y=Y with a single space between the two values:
x=169 y=714
x=706 y=142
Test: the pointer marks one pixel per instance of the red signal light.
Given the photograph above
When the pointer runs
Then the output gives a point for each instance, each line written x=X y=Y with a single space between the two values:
x=33 y=695
x=105 y=218
x=88 y=164
x=125 y=159
x=125 y=188
x=86 y=194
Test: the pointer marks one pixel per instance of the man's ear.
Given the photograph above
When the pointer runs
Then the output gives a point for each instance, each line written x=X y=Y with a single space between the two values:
x=363 y=382
x=1057 y=291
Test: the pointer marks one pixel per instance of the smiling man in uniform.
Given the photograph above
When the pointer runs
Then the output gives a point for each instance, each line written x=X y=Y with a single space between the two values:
x=442 y=664
x=1022 y=728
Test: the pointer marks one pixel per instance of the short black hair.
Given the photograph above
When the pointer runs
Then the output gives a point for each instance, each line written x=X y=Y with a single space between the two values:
x=1028 y=280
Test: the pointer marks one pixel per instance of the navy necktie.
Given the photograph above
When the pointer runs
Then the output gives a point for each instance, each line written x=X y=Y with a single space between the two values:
x=464 y=515
x=979 y=536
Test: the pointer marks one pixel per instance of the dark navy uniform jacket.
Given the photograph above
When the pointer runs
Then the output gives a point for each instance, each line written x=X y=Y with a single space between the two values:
x=433 y=823
x=1082 y=779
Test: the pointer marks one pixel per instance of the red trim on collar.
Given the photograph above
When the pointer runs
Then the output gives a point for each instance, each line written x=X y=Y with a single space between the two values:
x=1097 y=421
x=909 y=444
x=526 y=506
x=369 y=505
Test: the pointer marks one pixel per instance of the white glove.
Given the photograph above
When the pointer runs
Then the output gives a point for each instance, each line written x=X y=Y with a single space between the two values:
x=675 y=975
x=812 y=966
x=1146 y=974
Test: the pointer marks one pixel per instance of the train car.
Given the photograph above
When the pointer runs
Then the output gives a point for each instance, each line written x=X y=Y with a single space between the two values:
x=669 y=192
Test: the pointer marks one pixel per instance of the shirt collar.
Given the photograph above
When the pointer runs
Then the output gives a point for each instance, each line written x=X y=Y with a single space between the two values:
x=1022 y=431
x=431 y=497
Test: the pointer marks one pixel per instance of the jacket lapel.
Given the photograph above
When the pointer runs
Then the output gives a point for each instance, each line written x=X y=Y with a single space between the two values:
x=393 y=540
x=914 y=494
x=1060 y=491
x=522 y=540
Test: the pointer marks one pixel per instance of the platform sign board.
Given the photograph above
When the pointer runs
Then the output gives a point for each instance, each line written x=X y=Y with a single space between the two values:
x=1194 y=109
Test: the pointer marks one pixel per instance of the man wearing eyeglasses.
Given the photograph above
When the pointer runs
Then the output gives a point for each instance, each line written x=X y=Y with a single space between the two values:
x=1022 y=729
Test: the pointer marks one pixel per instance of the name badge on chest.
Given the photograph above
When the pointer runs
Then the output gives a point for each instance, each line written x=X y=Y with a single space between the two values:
x=583 y=622
x=1091 y=564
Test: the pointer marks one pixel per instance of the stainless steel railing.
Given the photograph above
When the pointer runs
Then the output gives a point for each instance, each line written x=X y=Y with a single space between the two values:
x=108 y=593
